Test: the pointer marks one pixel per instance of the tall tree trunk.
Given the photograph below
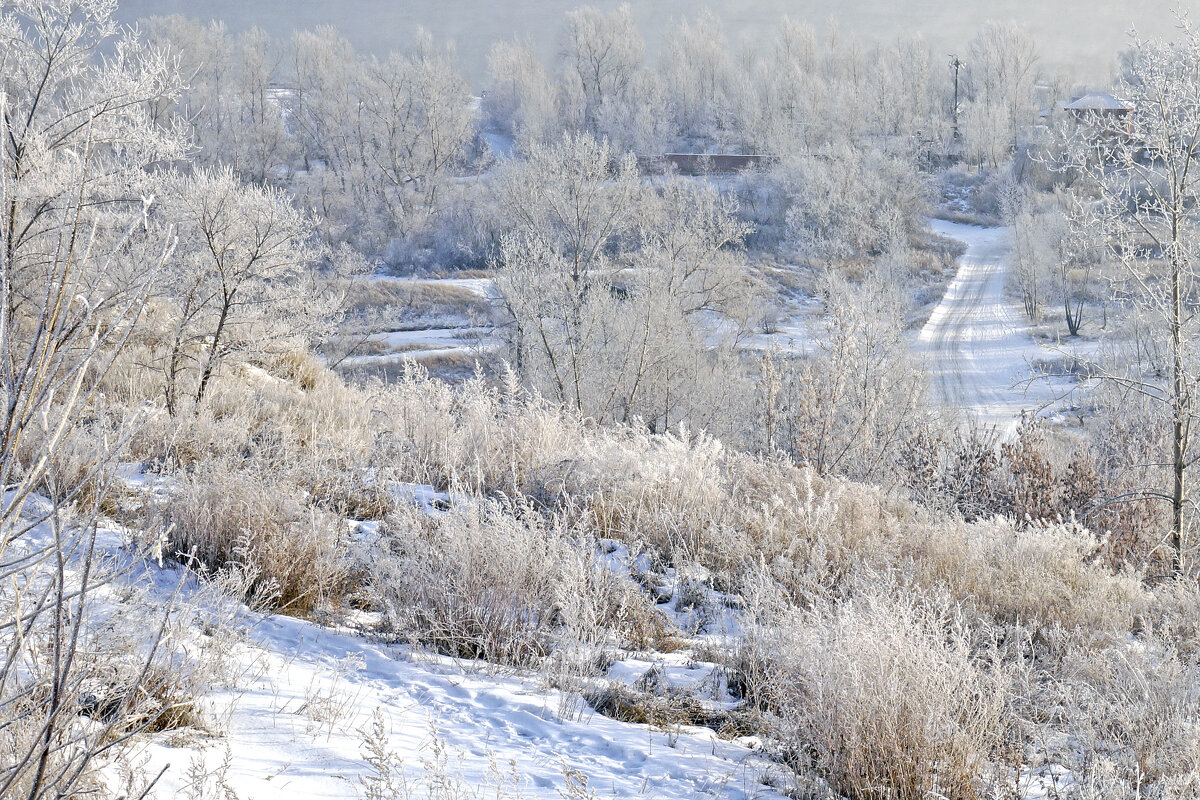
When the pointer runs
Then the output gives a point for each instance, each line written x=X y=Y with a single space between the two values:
x=210 y=363
x=1179 y=409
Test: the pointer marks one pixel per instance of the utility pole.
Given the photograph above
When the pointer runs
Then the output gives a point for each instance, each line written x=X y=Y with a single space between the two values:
x=956 y=64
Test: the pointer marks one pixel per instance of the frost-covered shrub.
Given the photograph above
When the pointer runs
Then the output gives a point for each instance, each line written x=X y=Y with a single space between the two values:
x=291 y=410
x=477 y=437
x=497 y=581
x=694 y=501
x=881 y=697
x=1040 y=576
x=250 y=521
x=975 y=198
x=1131 y=709
x=1173 y=616
x=849 y=203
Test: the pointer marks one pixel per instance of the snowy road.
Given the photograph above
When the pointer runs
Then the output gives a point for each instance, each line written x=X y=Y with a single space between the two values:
x=976 y=343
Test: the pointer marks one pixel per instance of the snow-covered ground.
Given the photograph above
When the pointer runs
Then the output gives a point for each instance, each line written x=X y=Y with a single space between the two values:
x=977 y=343
x=797 y=332
x=298 y=730
x=425 y=343
x=458 y=336
x=303 y=702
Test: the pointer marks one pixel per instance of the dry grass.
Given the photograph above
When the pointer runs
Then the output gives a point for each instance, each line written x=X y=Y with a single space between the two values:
x=497 y=582
x=1041 y=576
x=414 y=297
x=883 y=698
x=221 y=518
x=670 y=710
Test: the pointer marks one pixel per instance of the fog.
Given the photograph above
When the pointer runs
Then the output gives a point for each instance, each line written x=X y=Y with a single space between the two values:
x=1081 y=36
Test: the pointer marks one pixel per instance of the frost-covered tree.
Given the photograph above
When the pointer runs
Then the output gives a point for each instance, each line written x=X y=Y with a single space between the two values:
x=707 y=92
x=321 y=67
x=907 y=91
x=381 y=138
x=1058 y=262
x=790 y=91
x=1001 y=71
x=230 y=106
x=852 y=203
x=1143 y=171
x=601 y=55
x=65 y=106
x=570 y=205
x=1034 y=251
x=852 y=406
x=521 y=98
x=239 y=279
x=78 y=151
x=53 y=656
x=813 y=93
x=612 y=286
x=689 y=296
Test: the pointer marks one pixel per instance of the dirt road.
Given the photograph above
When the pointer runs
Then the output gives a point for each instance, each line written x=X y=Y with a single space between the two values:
x=976 y=343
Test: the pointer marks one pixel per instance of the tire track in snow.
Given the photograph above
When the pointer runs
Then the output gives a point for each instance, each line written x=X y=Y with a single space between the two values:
x=975 y=344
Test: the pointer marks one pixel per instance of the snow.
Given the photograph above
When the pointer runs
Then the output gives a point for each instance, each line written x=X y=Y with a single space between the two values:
x=500 y=144
x=977 y=345
x=296 y=728
x=295 y=723
x=292 y=716
x=429 y=338
x=1099 y=102
x=426 y=343
x=422 y=495
x=797 y=335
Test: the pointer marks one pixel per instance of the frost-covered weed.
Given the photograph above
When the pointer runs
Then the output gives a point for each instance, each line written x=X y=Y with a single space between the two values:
x=882 y=697
x=1131 y=710
x=251 y=522
x=498 y=582
x=1044 y=575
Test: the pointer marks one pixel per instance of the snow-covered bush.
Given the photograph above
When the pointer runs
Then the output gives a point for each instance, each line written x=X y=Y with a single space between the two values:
x=254 y=523
x=477 y=437
x=881 y=697
x=498 y=582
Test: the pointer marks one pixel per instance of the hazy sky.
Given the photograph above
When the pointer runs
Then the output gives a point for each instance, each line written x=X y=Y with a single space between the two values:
x=1082 y=34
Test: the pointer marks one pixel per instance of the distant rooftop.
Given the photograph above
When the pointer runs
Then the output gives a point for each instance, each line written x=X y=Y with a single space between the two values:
x=1099 y=102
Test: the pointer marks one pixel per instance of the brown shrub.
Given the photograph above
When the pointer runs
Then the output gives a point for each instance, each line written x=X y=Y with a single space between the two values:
x=222 y=518
x=882 y=697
